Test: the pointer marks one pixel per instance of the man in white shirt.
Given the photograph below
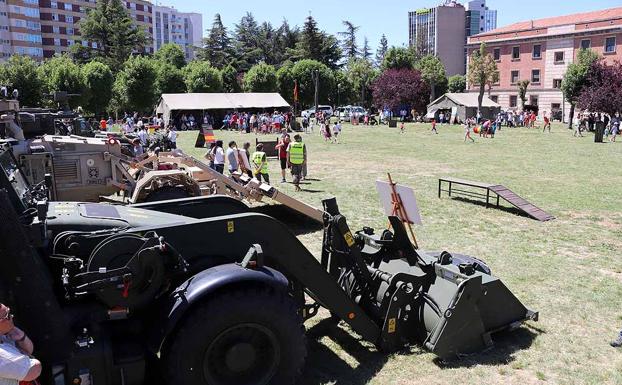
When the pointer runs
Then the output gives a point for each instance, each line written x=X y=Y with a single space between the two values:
x=15 y=349
x=142 y=135
x=172 y=137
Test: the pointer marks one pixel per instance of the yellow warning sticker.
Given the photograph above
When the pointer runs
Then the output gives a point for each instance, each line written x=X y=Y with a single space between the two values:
x=391 y=325
x=230 y=227
x=349 y=239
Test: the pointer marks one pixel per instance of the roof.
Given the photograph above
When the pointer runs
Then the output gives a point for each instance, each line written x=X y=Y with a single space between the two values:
x=577 y=18
x=466 y=99
x=220 y=101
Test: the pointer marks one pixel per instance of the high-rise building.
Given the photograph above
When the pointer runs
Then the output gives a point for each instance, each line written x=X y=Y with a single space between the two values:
x=20 y=28
x=172 y=26
x=479 y=18
x=440 y=31
x=59 y=22
x=541 y=51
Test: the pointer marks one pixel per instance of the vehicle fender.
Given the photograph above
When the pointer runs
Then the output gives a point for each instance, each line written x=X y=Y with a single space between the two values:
x=204 y=284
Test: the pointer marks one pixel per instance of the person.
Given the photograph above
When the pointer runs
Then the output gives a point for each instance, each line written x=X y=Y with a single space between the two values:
x=109 y=123
x=434 y=124
x=219 y=157
x=143 y=135
x=16 y=361
x=577 y=123
x=210 y=155
x=467 y=131
x=402 y=128
x=246 y=147
x=325 y=132
x=172 y=137
x=260 y=164
x=479 y=116
x=336 y=132
x=282 y=148
x=103 y=125
x=137 y=148
x=615 y=130
x=441 y=120
x=547 y=122
x=232 y=157
x=297 y=157
x=305 y=122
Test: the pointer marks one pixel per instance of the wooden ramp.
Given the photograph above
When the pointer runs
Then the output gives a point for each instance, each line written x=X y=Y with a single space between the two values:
x=485 y=191
x=521 y=204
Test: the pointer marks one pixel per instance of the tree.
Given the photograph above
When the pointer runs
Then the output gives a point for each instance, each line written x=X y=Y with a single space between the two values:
x=350 y=48
x=382 y=50
x=217 y=48
x=398 y=58
x=98 y=81
x=169 y=79
x=575 y=78
x=482 y=71
x=286 y=42
x=396 y=88
x=135 y=86
x=200 y=76
x=60 y=73
x=316 y=45
x=172 y=54
x=345 y=92
x=303 y=71
x=457 y=83
x=247 y=50
x=433 y=72
x=260 y=78
x=360 y=75
x=522 y=91
x=20 y=73
x=366 y=51
x=110 y=26
x=602 y=88
x=230 y=82
x=285 y=81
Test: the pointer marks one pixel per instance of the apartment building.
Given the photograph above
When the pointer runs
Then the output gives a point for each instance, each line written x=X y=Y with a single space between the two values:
x=479 y=18
x=541 y=50
x=181 y=28
x=20 y=28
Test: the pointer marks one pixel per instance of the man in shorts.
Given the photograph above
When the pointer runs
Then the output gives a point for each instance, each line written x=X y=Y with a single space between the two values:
x=282 y=148
x=297 y=157
x=16 y=363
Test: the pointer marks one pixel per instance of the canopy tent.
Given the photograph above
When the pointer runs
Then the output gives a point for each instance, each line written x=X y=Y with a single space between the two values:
x=214 y=101
x=464 y=105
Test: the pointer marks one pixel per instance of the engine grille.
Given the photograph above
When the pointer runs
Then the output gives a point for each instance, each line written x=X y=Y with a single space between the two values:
x=66 y=170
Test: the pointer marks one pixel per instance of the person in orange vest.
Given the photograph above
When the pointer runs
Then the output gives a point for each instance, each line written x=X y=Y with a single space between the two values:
x=103 y=125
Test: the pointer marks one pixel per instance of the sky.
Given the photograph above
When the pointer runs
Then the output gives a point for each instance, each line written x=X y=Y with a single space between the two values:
x=375 y=18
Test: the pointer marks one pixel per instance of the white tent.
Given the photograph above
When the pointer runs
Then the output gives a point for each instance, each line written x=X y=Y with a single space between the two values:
x=213 y=101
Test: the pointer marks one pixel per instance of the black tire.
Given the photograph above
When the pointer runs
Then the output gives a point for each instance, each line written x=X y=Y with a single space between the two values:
x=241 y=337
x=167 y=193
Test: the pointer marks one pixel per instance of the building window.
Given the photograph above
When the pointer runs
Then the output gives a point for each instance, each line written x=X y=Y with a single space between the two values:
x=559 y=57
x=533 y=100
x=557 y=83
x=514 y=77
x=535 y=76
x=56 y=41
x=515 y=53
x=586 y=44
x=55 y=16
x=70 y=31
x=54 y=5
x=513 y=100
x=496 y=53
x=537 y=51
x=69 y=19
x=494 y=98
x=55 y=29
x=610 y=44
x=68 y=7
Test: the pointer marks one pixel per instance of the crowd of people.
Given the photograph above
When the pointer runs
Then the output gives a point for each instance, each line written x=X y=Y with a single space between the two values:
x=258 y=123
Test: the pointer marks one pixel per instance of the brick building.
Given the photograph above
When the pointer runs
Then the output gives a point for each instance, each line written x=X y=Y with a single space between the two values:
x=541 y=50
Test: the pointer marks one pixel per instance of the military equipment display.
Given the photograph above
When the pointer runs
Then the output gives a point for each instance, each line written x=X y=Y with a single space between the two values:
x=203 y=291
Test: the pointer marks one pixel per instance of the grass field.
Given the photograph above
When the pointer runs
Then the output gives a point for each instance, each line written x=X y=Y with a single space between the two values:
x=568 y=269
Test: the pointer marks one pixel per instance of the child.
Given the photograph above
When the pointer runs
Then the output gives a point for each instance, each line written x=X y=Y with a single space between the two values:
x=260 y=164
x=336 y=131
x=434 y=126
x=467 y=131
x=402 y=127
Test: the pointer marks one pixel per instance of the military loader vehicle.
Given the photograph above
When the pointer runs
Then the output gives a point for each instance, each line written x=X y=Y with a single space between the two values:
x=203 y=291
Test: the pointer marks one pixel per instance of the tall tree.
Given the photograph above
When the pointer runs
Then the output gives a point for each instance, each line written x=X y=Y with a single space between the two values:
x=396 y=88
x=361 y=74
x=230 y=82
x=433 y=71
x=98 y=81
x=260 y=78
x=285 y=81
x=456 y=83
x=246 y=44
x=135 y=86
x=172 y=54
x=317 y=45
x=482 y=70
x=268 y=43
x=202 y=77
x=366 y=50
x=381 y=52
x=303 y=71
x=350 y=48
x=602 y=90
x=398 y=58
x=522 y=92
x=20 y=73
x=286 y=44
x=575 y=78
x=110 y=26
x=217 y=49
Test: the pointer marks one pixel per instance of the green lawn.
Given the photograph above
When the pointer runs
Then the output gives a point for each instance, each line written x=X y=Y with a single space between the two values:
x=568 y=269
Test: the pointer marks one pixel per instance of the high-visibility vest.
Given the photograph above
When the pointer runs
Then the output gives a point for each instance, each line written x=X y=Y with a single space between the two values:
x=258 y=158
x=297 y=153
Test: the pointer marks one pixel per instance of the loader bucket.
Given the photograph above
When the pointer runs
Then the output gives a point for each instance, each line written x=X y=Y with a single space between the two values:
x=462 y=307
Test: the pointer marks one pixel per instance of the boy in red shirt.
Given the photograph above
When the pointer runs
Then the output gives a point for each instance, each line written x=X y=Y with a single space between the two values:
x=434 y=126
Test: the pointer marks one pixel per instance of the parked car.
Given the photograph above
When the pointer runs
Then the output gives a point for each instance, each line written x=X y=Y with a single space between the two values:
x=346 y=112
x=310 y=113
